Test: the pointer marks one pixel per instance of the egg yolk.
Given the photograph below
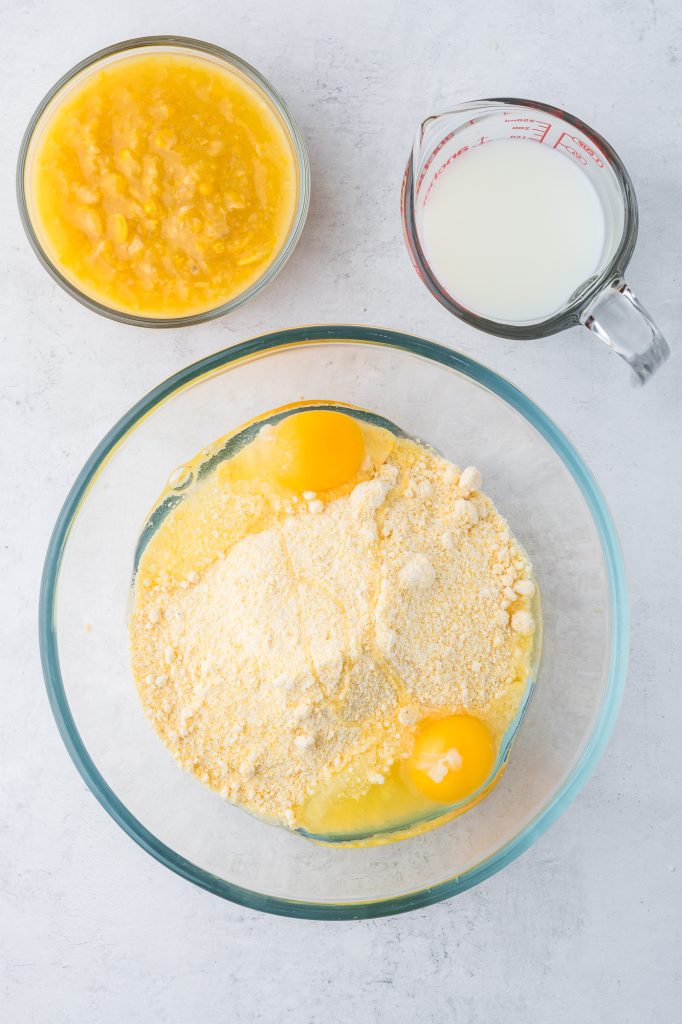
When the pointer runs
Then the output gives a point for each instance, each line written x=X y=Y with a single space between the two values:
x=451 y=758
x=318 y=450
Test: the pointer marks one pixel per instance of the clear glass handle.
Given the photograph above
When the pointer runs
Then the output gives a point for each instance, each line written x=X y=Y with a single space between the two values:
x=621 y=321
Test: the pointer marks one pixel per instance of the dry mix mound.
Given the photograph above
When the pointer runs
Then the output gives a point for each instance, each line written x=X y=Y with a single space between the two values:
x=313 y=636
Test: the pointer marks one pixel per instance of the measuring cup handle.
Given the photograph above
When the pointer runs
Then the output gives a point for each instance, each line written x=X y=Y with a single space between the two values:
x=619 y=319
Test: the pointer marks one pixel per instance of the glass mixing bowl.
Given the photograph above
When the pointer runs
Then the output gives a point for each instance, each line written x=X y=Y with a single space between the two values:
x=530 y=471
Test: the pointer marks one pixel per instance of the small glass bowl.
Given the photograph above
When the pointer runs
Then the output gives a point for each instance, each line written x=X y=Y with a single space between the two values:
x=471 y=415
x=166 y=44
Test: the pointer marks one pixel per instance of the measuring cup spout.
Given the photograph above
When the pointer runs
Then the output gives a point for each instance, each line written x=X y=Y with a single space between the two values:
x=433 y=134
x=620 y=320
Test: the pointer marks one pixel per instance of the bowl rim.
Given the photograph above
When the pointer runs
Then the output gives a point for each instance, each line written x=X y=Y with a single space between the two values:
x=613 y=564
x=198 y=47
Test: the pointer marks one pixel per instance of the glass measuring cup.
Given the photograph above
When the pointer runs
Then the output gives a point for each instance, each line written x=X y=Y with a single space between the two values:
x=604 y=303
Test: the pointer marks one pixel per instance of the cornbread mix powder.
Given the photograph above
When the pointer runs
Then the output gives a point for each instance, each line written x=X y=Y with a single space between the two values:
x=322 y=633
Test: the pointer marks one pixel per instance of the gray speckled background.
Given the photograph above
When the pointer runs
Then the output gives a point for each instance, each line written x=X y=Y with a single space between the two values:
x=586 y=925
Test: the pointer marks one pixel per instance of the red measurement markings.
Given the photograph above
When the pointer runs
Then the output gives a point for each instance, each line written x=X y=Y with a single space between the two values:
x=460 y=152
x=482 y=141
x=444 y=142
x=432 y=157
x=578 y=149
x=527 y=127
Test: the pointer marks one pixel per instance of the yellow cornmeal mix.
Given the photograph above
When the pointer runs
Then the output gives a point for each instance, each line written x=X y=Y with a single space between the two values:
x=289 y=646
x=163 y=185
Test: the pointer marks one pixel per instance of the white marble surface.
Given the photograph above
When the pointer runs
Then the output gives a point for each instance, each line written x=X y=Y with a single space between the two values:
x=586 y=925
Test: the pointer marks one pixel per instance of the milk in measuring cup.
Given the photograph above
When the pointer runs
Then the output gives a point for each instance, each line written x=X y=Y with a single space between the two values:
x=511 y=228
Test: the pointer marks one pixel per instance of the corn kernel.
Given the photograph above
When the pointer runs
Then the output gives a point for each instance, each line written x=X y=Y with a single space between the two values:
x=245 y=261
x=86 y=195
x=233 y=201
x=164 y=139
x=92 y=222
x=112 y=183
x=128 y=163
x=118 y=228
